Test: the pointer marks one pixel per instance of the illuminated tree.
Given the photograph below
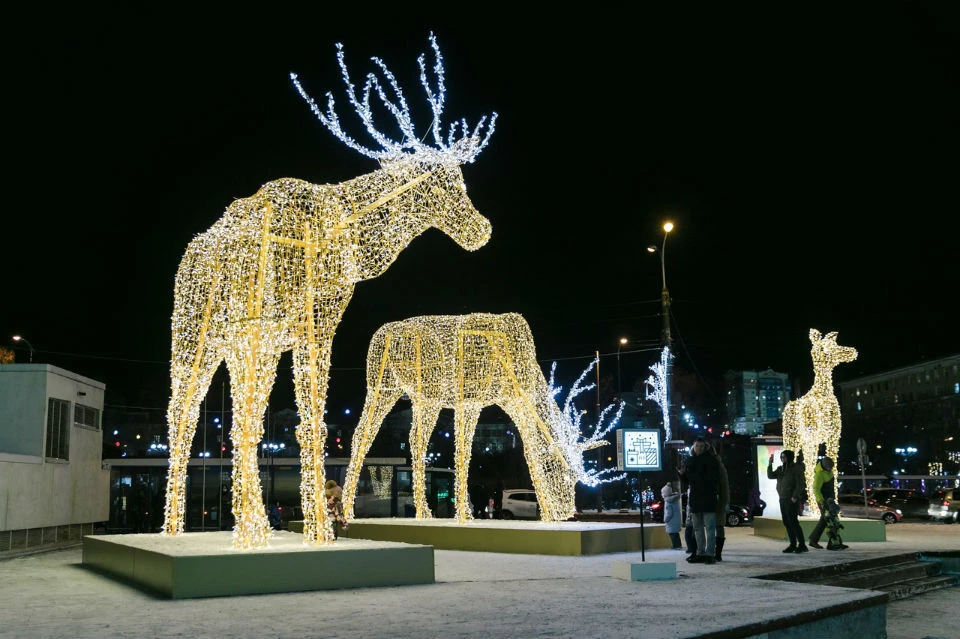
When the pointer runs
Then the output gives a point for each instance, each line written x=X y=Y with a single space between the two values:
x=465 y=363
x=277 y=271
x=656 y=388
x=814 y=419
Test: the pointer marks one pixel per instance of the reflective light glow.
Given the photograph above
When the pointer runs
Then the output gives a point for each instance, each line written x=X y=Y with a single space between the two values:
x=465 y=363
x=814 y=419
x=275 y=273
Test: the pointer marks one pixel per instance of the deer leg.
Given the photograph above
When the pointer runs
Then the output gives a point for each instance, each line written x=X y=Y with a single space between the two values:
x=192 y=370
x=465 y=425
x=252 y=374
x=378 y=403
x=425 y=413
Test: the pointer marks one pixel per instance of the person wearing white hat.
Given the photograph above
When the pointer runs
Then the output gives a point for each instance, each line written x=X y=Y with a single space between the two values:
x=671 y=514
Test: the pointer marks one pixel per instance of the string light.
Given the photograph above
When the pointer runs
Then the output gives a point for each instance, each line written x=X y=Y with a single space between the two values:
x=381 y=479
x=465 y=363
x=276 y=273
x=656 y=388
x=814 y=419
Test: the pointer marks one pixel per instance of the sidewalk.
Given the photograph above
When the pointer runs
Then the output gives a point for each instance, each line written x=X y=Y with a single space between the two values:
x=481 y=595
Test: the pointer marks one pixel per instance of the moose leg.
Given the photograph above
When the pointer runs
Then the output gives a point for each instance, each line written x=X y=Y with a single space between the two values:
x=252 y=373
x=425 y=413
x=465 y=425
x=311 y=377
x=545 y=473
x=378 y=403
x=191 y=373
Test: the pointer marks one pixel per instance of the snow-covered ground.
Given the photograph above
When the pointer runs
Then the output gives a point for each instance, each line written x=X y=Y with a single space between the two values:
x=483 y=595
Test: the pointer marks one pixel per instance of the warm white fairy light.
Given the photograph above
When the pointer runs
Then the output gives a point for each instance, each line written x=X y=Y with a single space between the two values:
x=276 y=273
x=814 y=419
x=656 y=388
x=465 y=363
x=381 y=480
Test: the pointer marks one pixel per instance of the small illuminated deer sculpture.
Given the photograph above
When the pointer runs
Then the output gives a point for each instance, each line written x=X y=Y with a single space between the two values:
x=815 y=418
x=276 y=273
x=465 y=363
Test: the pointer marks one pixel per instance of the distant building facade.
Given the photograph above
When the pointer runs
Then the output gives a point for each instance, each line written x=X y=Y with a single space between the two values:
x=755 y=398
x=909 y=417
x=52 y=483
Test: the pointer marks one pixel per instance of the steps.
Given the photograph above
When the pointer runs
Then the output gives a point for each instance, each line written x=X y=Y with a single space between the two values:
x=900 y=576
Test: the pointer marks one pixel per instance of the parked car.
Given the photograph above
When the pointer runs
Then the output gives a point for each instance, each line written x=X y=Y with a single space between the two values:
x=852 y=506
x=737 y=515
x=910 y=502
x=654 y=511
x=945 y=505
x=520 y=503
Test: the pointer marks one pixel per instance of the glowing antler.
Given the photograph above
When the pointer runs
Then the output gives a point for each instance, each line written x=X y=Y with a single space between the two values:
x=567 y=431
x=461 y=145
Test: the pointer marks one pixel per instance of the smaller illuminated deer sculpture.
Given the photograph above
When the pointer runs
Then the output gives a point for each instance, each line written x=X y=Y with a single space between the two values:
x=815 y=418
x=465 y=363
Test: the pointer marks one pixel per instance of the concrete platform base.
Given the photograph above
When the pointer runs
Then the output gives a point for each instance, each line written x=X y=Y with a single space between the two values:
x=510 y=536
x=853 y=529
x=644 y=571
x=205 y=564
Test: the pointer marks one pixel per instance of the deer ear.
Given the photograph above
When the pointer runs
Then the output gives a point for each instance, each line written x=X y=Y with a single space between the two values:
x=831 y=335
x=814 y=335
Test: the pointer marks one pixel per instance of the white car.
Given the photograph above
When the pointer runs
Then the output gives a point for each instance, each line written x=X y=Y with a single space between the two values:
x=945 y=505
x=852 y=506
x=520 y=503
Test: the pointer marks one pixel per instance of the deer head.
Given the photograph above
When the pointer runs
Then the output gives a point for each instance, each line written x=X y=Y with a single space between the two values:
x=827 y=353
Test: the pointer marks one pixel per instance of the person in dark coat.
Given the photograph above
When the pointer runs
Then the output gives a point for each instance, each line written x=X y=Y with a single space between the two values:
x=755 y=503
x=704 y=476
x=790 y=488
x=723 y=502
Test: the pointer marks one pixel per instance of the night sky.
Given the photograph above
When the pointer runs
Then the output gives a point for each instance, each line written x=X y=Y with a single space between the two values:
x=807 y=155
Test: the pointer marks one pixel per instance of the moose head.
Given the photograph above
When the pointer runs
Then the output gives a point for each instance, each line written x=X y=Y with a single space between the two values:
x=407 y=160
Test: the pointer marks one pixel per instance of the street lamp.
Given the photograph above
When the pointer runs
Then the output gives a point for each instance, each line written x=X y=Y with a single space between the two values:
x=623 y=342
x=20 y=338
x=665 y=304
x=665 y=293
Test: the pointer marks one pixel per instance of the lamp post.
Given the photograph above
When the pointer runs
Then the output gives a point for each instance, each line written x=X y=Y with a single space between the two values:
x=664 y=293
x=623 y=342
x=665 y=338
x=21 y=338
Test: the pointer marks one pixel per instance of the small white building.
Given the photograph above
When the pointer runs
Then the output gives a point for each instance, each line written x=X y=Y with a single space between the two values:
x=53 y=486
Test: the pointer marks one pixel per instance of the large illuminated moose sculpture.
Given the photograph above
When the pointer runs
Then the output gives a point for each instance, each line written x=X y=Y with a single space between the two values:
x=465 y=363
x=814 y=419
x=277 y=271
